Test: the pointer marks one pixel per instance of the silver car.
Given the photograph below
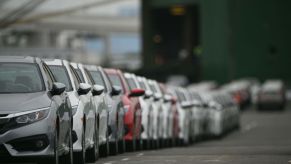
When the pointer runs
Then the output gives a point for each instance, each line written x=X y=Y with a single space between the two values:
x=35 y=114
x=115 y=109
x=84 y=113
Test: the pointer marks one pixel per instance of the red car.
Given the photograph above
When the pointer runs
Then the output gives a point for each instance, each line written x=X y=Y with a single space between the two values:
x=132 y=117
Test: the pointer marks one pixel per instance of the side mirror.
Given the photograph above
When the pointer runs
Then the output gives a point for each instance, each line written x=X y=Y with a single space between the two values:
x=148 y=94
x=157 y=96
x=197 y=104
x=136 y=92
x=167 y=98
x=116 y=90
x=84 y=89
x=186 y=104
x=97 y=90
x=215 y=105
x=58 y=88
x=205 y=105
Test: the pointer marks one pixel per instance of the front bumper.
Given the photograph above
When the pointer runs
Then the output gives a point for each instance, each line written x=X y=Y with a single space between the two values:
x=11 y=140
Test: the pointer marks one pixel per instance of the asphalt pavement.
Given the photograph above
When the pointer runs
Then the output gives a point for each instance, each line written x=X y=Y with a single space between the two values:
x=264 y=137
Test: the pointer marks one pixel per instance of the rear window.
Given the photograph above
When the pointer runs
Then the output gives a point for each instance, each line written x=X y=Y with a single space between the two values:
x=62 y=76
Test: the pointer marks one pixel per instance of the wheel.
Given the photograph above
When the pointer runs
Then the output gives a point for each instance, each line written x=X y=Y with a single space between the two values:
x=93 y=153
x=113 y=150
x=121 y=144
x=104 y=149
x=80 y=157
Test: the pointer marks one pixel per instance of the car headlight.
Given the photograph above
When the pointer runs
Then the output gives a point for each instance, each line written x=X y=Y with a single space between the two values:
x=74 y=110
x=32 y=117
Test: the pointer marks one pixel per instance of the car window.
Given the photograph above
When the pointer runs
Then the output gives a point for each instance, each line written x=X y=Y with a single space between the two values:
x=97 y=78
x=115 y=80
x=62 y=76
x=80 y=75
x=20 y=78
x=131 y=83
x=142 y=85
x=77 y=79
x=49 y=75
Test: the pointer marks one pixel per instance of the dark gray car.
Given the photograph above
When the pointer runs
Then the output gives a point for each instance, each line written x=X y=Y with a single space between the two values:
x=35 y=114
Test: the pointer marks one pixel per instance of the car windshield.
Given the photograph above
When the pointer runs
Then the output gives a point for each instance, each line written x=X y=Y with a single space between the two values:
x=62 y=76
x=115 y=80
x=20 y=78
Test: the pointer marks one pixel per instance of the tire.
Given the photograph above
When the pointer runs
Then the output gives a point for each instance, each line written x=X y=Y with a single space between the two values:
x=104 y=149
x=121 y=146
x=92 y=154
x=80 y=157
x=113 y=148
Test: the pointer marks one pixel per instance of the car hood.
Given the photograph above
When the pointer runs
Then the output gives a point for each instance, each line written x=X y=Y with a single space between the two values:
x=14 y=103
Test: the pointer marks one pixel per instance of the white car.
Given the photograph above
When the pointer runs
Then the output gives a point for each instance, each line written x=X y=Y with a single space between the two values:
x=157 y=114
x=147 y=113
x=84 y=114
x=224 y=112
x=167 y=116
x=183 y=108
x=199 y=117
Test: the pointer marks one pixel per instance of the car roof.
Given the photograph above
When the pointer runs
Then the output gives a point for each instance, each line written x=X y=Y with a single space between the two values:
x=19 y=59
x=111 y=70
x=58 y=62
x=91 y=67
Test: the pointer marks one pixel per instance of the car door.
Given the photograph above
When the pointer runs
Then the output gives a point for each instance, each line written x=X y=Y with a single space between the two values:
x=63 y=112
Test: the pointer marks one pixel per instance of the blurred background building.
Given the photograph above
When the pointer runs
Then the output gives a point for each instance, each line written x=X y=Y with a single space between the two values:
x=90 y=31
x=184 y=40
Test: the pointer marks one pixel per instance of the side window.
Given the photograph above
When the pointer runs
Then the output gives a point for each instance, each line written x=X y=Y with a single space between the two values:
x=76 y=78
x=88 y=77
x=49 y=75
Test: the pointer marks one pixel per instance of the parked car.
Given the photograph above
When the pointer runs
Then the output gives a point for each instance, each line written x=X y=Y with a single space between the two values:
x=84 y=112
x=132 y=117
x=199 y=119
x=224 y=112
x=147 y=113
x=272 y=95
x=168 y=115
x=113 y=101
x=157 y=128
x=35 y=114
x=100 y=114
x=184 y=111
